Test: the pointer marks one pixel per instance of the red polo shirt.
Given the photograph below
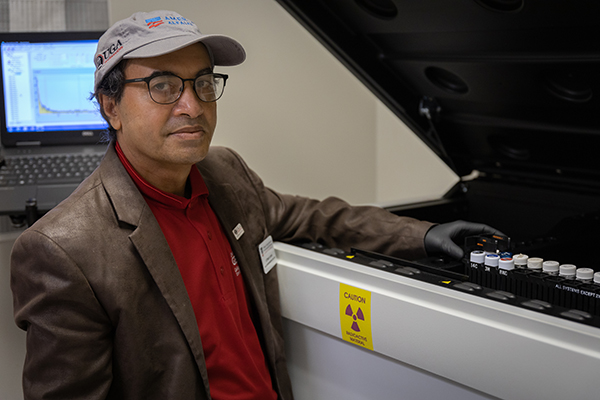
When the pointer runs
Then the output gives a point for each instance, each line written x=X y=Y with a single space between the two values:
x=233 y=355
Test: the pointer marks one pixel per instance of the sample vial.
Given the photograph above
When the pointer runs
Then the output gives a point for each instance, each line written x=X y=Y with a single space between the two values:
x=550 y=267
x=477 y=258
x=520 y=260
x=506 y=264
x=535 y=263
x=585 y=275
x=491 y=261
x=567 y=271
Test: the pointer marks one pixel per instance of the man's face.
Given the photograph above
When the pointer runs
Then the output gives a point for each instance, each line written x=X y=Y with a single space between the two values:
x=162 y=137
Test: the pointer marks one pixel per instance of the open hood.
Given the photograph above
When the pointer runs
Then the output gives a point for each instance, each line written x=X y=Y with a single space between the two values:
x=510 y=88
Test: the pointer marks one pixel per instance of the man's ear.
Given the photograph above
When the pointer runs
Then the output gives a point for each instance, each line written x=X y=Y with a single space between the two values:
x=109 y=109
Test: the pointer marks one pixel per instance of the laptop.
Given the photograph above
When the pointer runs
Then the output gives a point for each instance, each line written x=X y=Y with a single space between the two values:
x=50 y=129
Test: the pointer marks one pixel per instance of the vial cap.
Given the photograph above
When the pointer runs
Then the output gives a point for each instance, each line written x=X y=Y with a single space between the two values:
x=507 y=263
x=534 y=263
x=567 y=270
x=520 y=259
x=492 y=260
x=585 y=273
x=477 y=256
x=550 y=266
x=597 y=277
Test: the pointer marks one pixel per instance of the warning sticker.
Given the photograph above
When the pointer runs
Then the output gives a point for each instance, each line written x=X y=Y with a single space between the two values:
x=355 y=315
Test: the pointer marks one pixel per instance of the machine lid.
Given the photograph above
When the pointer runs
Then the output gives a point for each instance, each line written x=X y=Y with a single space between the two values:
x=505 y=87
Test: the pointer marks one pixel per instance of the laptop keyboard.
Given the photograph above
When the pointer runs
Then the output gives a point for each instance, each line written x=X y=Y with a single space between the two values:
x=47 y=169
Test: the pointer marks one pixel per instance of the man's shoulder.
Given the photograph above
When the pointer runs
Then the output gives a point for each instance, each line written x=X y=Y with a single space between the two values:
x=221 y=159
x=220 y=154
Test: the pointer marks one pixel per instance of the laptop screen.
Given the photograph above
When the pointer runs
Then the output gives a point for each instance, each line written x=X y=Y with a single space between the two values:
x=47 y=81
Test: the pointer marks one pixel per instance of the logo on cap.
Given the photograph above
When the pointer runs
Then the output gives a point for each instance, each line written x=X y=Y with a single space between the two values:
x=171 y=20
x=107 y=54
x=154 y=22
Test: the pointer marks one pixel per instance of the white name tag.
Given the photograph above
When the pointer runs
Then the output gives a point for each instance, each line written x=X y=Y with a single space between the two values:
x=267 y=254
x=238 y=231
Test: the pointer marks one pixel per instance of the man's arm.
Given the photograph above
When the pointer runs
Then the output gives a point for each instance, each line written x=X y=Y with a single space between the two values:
x=69 y=343
x=337 y=223
x=333 y=221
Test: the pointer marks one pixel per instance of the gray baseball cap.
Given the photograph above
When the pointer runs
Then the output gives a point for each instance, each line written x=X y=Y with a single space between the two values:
x=151 y=34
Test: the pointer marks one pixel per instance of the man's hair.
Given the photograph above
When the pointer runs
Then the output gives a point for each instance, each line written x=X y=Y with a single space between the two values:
x=112 y=86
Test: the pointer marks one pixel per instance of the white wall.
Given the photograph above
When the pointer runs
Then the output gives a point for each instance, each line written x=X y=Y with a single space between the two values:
x=300 y=118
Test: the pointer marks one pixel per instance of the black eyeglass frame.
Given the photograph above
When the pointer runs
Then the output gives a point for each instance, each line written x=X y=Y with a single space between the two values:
x=183 y=81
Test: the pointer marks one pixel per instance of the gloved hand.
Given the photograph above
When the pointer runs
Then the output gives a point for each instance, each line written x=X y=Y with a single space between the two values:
x=441 y=238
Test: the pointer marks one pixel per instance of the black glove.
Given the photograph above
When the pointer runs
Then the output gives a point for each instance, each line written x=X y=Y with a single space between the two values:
x=441 y=238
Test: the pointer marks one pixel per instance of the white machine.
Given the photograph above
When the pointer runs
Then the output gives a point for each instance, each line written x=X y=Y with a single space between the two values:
x=428 y=341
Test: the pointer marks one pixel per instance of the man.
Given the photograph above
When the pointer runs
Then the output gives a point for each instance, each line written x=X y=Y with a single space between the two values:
x=146 y=283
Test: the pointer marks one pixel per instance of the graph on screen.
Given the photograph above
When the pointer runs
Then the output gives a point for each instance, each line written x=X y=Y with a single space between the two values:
x=49 y=93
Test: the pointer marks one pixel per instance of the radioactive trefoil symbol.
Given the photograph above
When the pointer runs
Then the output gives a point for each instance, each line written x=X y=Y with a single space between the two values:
x=359 y=315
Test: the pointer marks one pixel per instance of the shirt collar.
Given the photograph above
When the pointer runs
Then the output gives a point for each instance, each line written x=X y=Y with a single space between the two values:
x=168 y=199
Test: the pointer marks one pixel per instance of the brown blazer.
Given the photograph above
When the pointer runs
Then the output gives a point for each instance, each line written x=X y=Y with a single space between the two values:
x=106 y=311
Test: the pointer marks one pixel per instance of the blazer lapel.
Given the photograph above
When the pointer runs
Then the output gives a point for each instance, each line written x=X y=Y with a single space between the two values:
x=228 y=204
x=225 y=203
x=149 y=241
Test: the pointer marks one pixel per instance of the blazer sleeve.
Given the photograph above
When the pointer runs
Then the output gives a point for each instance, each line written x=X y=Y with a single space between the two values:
x=336 y=223
x=68 y=334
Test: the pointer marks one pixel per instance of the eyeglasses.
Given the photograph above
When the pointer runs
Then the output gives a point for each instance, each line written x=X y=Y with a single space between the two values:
x=167 y=88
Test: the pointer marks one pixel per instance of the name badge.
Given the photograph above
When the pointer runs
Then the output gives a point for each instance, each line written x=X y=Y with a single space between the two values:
x=267 y=254
x=238 y=231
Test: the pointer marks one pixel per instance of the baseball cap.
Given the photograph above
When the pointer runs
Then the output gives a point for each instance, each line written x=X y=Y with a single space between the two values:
x=151 y=34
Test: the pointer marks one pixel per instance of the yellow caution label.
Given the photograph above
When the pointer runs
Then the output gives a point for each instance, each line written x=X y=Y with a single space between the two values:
x=355 y=316
x=447 y=282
